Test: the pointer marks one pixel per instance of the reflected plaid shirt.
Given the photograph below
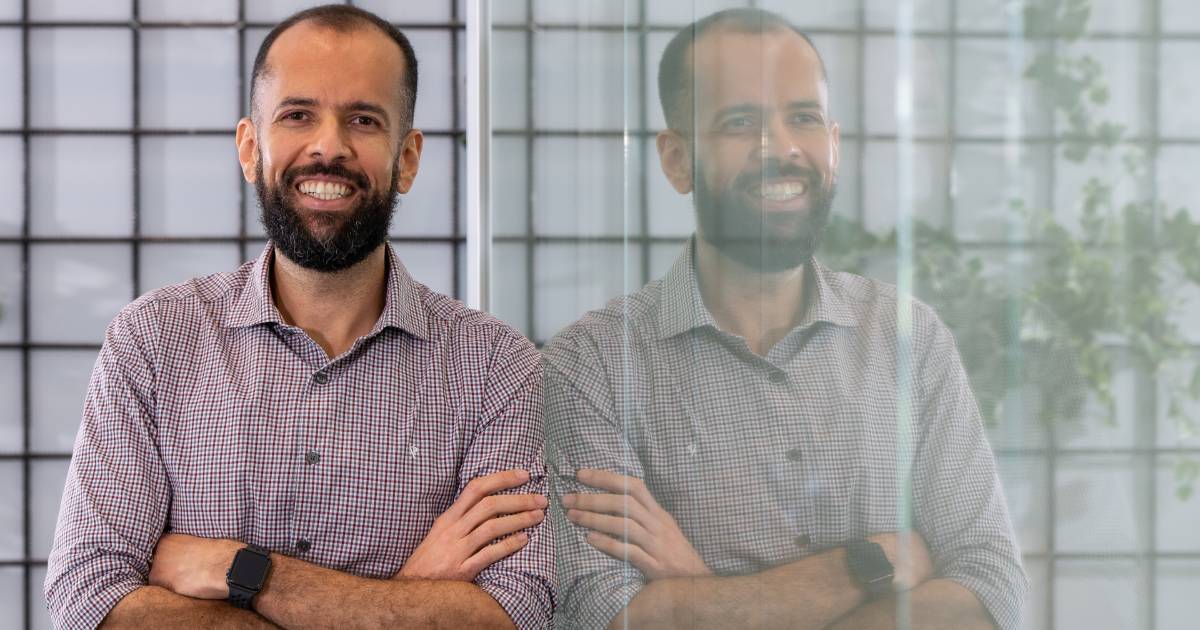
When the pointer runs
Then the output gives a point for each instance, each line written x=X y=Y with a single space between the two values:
x=765 y=460
x=208 y=415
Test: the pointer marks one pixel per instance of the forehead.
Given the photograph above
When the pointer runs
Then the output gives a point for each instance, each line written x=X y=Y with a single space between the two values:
x=313 y=61
x=755 y=68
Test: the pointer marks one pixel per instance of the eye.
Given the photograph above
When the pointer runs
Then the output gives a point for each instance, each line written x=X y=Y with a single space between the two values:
x=365 y=121
x=295 y=116
x=738 y=123
x=806 y=118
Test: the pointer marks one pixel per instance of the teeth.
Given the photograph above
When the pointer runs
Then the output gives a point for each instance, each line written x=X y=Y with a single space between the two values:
x=782 y=192
x=325 y=191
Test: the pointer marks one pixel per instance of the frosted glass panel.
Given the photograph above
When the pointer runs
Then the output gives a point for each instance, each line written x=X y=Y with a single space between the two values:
x=409 y=12
x=189 y=78
x=510 y=186
x=585 y=186
x=583 y=100
x=1178 y=116
x=428 y=209
x=1180 y=16
x=434 y=104
x=10 y=293
x=1026 y=486
x=510 y=290
x=189 y=186
x=77 y=290
x=12 y=544
x=99 y=198
x=81 y=77
x=985 y=186
x=928 y=185
x=46 y=482
x=58 y=383
x=586 y=12
x=1102 y=504
x=276 y=10
x=1178 y=583
x=1178 y=514
x=12 y=411
x=164 y=264
x=573 y=279
x=80 y=10
x=927 y=14
x=211 y=10
x=39 y=618
x=12 y=592
x=1100 y=595
x=12 y=167
x=930 y=97
x=988 y=71
x=510 y=101
x=10 y=77
x=432 y=264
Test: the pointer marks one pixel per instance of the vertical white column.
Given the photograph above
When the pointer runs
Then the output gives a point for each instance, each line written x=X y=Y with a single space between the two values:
x=479 y=131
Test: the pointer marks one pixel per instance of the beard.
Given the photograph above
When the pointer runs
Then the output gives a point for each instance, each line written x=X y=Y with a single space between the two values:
x=766 y=241
x=351 y=235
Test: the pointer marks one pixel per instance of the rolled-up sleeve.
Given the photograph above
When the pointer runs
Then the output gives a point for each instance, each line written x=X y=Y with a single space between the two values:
x=510 y=437
x=960 y=506
x=116 y=497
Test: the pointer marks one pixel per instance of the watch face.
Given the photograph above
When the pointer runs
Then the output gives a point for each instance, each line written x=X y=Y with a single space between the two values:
x=249 y=569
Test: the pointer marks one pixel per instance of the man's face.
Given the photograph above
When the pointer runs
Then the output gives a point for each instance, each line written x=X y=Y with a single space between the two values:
x=327 y=149
x=765 y=153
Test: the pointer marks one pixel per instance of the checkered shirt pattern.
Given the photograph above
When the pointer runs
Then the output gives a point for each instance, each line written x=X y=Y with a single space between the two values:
x=765 y=460
x=208 y=415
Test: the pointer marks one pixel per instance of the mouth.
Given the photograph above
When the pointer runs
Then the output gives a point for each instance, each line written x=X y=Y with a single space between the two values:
x=325 y=194
x=779 y=191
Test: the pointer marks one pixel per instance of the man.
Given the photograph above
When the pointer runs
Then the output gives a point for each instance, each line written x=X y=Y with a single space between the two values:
x=325 y=441
x=746 y=441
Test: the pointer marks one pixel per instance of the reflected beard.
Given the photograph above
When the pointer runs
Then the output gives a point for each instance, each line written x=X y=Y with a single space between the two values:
x=763 y=241
x=351 y=236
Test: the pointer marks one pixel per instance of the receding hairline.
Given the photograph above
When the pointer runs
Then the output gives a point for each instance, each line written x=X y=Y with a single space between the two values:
x=267 y=70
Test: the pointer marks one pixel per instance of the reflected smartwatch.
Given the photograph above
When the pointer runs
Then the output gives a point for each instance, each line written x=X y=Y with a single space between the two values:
x=247 y=575
x=870 y=567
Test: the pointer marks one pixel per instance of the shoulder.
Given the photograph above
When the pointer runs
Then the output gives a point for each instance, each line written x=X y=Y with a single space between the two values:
x=183 y=306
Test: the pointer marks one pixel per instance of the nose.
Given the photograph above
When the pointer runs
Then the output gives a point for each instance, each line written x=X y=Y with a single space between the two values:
x=329 y=142
x=778 y=141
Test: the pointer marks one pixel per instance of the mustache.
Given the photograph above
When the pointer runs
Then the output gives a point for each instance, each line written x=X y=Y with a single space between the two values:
x=332 y=170
x=773 y=169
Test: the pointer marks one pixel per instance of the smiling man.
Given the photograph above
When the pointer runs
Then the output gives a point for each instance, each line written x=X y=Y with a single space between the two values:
x=728 y=446
x=316 y=439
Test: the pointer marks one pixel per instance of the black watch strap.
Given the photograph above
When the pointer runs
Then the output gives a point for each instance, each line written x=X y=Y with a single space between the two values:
x=870 y=566
x=241 y=595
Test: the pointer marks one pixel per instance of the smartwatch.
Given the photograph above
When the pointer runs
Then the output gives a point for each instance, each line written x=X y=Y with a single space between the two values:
x=870 y=567
x=247 y=575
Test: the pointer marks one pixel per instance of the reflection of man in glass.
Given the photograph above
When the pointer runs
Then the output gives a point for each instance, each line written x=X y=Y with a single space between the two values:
x=745 y=441
x=315 y=440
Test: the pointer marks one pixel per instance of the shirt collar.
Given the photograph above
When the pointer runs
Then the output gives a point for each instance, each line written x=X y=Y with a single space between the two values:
x=682 y=309
x=402 y=307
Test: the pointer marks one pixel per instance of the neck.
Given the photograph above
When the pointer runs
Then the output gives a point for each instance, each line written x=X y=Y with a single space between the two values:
x=762 y=307
x=334 y=308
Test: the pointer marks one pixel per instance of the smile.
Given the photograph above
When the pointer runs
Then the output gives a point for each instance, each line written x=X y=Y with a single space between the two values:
x=325 y=191
x=782 y=191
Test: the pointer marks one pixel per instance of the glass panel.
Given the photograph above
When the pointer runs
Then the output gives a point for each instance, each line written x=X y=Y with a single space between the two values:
x=58 y=381
x=11 y=413
x=189 y=78
x=77 y=290
x=930 y=102
x=1179 y=16
x=587 y=100
x=10 y=77
x=584 y=13
x=574 y=191
x=212 y=11
x=510 y=185
x=929 y=185
x=81 y=77
x=48 y=477
x=988 y=71
x=510 y=105
x=10 y=10
x=428 y=209
x=10 y=293
x=39 y=617
x=1099 y=594
x=80 y=10
x=12 y=168
x=1178 y=583
x=12 y=592
x=1026 y=486
x=927 y=14
x=81 y=185
x=275 y=10
x=409 y=12
x=431 y=264
x=189 y=186
x=571 y=279
x=984 y=190
x=164 y=264
x=12 y=541
x=1178 y=507
x=434 y=104
x=1033 y=617
x=510 y=289
x=1102 y=504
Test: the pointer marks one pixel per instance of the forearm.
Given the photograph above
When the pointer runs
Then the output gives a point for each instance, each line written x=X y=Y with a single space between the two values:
x=155 y=607
x=808 y=593
x=934 y=605
x=303 y=595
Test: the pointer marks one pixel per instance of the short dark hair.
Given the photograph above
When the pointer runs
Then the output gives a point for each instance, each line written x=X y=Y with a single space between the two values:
x=344 y=18
x=675 y=85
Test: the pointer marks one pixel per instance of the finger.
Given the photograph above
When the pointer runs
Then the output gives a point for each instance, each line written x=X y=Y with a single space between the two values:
x=484 y=486
x=500 y=527
x=495 y=552
x=618 y=484
x=615 y=504
x=501 y=505
x=633 y=554
x=615 y=526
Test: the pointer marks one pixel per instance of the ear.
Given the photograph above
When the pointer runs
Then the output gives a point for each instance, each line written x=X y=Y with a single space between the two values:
x=676 y=160
x=409 y=160
x=247 y=148
x=835 y=146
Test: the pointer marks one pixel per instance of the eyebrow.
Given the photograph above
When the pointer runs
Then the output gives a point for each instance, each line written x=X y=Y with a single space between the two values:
x=355 y=106
x=747 y=108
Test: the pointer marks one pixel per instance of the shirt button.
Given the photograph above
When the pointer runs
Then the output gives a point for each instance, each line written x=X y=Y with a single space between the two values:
x=803 y=540
x=794 y=454
x=303 y=545
x=778 y=376
x=312 y=457
x=321 y=378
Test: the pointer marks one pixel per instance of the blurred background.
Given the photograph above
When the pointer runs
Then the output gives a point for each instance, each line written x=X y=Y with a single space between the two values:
x=1042 y=196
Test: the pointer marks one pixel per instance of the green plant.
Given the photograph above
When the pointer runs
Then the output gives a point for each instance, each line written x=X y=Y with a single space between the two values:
x=1106 y=285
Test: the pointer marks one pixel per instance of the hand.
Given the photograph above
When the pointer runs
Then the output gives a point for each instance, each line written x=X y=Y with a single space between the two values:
x=909 y=557
x=457 y=546
x=630 y=524
x=192 y=566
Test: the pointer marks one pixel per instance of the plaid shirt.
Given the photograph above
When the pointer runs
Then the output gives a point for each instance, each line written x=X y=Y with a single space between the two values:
x=208 y=415
x=765 y=460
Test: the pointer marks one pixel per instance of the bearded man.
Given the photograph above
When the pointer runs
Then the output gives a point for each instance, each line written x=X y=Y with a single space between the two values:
x=755 y=440
x=316 y=439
